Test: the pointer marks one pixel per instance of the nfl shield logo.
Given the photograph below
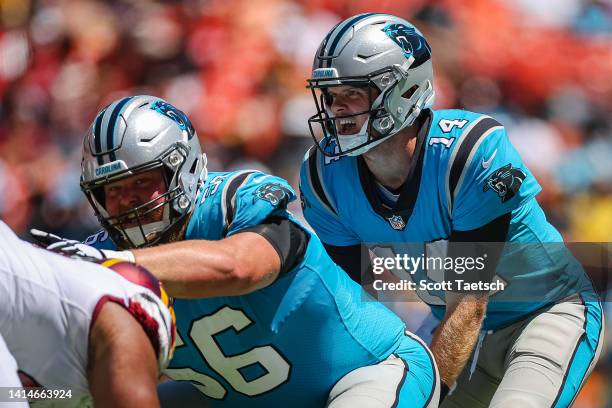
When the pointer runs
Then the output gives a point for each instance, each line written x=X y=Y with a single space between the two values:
x=397 y=222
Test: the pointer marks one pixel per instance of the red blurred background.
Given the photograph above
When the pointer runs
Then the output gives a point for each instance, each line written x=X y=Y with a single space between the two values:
x=238 y=69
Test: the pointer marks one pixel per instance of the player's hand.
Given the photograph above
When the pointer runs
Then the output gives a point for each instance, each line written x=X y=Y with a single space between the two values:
x=75 y=249
x=44 y=239
x=67 y=247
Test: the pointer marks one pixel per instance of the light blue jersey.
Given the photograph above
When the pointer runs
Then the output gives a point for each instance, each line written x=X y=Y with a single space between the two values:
x=289 y=343
x=465 y=174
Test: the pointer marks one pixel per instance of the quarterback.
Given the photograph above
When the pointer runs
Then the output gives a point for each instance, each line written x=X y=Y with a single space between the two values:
x=264 y=317
x=389 y=169
x=99 y=331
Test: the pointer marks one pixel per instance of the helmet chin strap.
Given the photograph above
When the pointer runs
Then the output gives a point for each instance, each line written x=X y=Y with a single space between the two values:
x=368 y=147
x=135 y=235
x=348 y=142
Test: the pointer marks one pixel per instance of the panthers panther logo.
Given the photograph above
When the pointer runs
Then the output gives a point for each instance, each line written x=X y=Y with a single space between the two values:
x=505 y=181
x=176 y=115
x=274 y=193
x=411 y=42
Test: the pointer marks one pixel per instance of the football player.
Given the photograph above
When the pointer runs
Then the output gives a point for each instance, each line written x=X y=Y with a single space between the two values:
x=388 y=169
x=81 y=328
x=264 y=317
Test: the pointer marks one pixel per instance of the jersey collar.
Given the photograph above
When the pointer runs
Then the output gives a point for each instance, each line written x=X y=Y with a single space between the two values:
x=399 y=214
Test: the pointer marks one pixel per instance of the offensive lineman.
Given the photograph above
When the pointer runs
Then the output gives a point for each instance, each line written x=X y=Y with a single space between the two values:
x=79 y=327
x=389 y=169
x=264 y=317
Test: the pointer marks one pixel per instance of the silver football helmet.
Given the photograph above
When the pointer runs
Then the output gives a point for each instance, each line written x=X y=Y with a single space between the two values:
x=133 y=135
x=380 y=52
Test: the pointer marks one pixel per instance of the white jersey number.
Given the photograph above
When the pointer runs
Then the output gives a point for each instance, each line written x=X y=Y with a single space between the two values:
x=441 y=140
x=447 y=125
x=203 y=333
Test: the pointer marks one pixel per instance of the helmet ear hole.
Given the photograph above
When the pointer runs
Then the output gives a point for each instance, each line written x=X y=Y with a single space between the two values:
x=168 y=175
x=408 y=94
x=194 y=165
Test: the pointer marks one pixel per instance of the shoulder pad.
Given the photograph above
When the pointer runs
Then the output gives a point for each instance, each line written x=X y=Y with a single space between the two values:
x=469 y=140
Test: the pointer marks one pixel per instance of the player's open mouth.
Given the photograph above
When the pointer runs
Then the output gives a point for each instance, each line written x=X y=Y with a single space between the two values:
x=347 y=126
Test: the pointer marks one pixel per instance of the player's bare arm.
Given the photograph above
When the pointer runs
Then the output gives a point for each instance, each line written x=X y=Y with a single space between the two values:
x=122 y=369
x=455 y=337
x=239 y=264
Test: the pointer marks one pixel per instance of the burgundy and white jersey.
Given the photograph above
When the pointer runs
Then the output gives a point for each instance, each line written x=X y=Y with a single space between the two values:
x=49 y=303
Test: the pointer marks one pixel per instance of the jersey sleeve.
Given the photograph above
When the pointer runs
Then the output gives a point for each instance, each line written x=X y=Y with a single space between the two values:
x=258 y=197
x=487 y=178
x=100 y=240
x=317 y=205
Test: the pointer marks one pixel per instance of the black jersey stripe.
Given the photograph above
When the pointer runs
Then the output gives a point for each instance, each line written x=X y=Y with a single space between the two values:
x=230 y=195
x=465 y=149
x=315 y=180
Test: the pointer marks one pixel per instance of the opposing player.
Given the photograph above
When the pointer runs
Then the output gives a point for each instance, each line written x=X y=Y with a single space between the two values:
x=81 y=328
x=264 y=316
x=389 y=169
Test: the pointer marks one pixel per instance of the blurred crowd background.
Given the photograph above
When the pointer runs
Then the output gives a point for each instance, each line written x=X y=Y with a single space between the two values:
x=238 y=69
